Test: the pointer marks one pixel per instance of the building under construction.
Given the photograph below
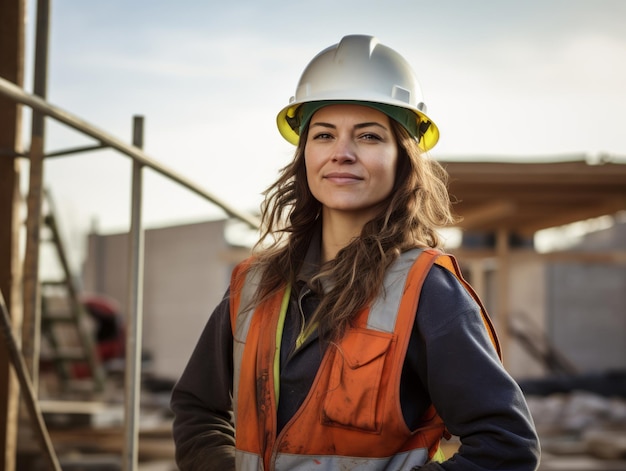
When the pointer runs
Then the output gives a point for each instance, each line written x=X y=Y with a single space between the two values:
x=82 y=387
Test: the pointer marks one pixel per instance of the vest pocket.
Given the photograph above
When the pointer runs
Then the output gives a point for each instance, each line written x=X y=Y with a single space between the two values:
x=355 y=380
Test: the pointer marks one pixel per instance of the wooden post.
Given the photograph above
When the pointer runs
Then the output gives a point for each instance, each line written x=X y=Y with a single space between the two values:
x=477 y=277
x=12 y=20
x=503 y=304
x=32 y=305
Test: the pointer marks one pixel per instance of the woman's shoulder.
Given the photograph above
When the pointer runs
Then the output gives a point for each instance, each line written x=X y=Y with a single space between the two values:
x=441 y=281
x=444 y=298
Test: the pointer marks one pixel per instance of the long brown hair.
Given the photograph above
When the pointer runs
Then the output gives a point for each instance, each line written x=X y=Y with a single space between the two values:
x=417 y=206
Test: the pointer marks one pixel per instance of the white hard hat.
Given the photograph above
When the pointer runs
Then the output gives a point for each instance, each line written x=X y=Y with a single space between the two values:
x=360 y=69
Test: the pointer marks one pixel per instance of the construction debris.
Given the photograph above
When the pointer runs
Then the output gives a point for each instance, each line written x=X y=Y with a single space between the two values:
x=583 y=425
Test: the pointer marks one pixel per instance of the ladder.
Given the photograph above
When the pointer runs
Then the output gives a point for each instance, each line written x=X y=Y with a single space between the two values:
x=68 y=342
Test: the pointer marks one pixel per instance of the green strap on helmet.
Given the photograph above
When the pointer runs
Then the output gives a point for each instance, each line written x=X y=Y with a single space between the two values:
x=403 y=116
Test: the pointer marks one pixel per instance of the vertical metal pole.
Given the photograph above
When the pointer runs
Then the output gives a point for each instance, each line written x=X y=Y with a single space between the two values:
x=32 y=311
x=135 y=313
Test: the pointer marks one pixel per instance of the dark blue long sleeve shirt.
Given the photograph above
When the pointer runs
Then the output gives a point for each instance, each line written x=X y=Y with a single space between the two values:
x=450 y=362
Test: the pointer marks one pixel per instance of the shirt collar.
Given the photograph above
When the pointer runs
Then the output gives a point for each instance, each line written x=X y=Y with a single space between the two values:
x=312 y=259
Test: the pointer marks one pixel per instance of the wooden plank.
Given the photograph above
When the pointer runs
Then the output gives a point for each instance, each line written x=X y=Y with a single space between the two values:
x=606 y=444
x=151 y=444
x=49 y=406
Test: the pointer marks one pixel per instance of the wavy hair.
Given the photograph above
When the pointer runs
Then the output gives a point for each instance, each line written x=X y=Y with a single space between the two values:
x=417 y=206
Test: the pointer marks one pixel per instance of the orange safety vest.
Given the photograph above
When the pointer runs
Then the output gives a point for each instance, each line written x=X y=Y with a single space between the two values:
x=352 y=415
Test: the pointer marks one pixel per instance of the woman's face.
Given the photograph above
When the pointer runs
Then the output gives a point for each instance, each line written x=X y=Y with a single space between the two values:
x=350 y=156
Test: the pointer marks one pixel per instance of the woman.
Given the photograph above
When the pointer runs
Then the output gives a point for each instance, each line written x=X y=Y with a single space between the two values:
x=348 y=341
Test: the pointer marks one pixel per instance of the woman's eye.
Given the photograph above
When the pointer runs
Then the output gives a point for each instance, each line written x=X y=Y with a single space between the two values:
x=322 y=136
x=371 y=137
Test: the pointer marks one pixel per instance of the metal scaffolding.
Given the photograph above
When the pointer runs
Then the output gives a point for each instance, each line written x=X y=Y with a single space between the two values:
x=25 y=361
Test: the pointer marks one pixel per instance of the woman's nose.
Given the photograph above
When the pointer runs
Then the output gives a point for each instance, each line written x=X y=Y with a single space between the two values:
x=344 y=151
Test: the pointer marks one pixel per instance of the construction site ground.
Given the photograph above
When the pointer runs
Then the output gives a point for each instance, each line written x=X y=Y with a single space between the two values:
x=579 y=431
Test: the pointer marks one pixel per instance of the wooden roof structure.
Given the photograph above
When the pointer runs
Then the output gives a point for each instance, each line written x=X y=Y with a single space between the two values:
x=523 y=198
x=504 y=199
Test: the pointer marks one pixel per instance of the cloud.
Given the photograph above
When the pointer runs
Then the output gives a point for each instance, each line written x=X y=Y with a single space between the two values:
x=504 y=78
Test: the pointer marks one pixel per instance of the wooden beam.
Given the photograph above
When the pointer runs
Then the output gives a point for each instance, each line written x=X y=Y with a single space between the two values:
x=614 y=257
x=503 y=303
x=487 y=214
x=532 y=192
x=556 y=219
x=12 y=20
x=544 y=194
x=573 y=172
x=611 y=257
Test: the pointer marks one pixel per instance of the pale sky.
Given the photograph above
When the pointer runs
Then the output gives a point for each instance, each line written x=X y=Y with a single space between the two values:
x=535 y=79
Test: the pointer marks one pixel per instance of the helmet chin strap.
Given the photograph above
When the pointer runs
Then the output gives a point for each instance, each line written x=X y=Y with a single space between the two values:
x=294 y=121
x=422 y=128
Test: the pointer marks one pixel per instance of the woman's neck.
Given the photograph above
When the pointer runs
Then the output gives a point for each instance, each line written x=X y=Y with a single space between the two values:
x=338 y=230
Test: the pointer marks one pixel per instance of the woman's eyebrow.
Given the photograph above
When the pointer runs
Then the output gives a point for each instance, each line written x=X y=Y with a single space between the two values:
x=356 y=126
x=324 y=125
x=366 y=125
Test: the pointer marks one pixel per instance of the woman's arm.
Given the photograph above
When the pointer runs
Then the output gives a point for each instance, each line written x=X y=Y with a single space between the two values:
x=475 y=396
x=204 y=433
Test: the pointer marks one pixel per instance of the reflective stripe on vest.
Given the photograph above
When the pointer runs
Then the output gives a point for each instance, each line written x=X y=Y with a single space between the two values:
x=252 y=462
x=241 y=327
x=384 y=309
x=406 y=460
x=248 y=461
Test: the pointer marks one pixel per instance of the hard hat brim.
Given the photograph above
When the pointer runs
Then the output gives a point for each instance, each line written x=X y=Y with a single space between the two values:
x=288 y=114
